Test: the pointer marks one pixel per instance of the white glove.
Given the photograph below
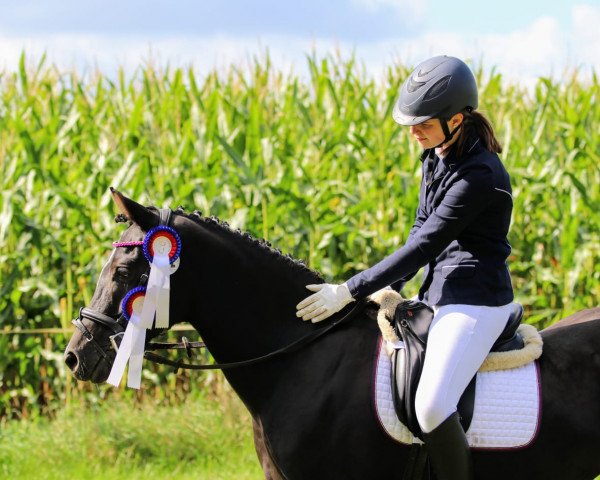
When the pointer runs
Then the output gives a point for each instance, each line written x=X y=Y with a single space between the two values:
x=328 y=300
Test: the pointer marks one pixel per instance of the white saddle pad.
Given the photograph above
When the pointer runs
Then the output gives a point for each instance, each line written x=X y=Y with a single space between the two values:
x=506 y=413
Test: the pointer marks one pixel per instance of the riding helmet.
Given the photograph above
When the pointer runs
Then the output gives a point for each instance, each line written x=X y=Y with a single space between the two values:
x=437 y=88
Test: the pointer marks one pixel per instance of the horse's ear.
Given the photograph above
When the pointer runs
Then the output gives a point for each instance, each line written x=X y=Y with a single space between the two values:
x=135 y=212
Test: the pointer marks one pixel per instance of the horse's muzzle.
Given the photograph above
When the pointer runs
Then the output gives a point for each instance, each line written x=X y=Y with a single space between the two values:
x=86 y=369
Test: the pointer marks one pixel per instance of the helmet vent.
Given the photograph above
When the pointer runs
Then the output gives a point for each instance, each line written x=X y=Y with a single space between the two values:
x=413 y=86
x=438 y=88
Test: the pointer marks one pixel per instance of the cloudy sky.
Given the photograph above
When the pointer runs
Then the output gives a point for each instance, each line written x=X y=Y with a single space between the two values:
x=521 y=38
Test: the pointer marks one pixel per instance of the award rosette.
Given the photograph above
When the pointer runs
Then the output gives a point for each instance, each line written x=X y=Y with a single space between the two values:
x=145 y=306
x=131 y=305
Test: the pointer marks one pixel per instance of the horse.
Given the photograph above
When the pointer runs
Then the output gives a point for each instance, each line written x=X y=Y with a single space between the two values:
x=312 y=406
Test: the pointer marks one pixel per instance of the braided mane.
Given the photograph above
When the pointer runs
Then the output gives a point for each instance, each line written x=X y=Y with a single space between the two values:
x=261 y=243
x=214 y=222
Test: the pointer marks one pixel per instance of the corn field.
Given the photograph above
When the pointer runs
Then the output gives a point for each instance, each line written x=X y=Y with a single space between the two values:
x=314 y=164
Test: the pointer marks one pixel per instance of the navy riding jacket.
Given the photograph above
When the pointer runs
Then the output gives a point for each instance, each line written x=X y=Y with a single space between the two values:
x=459 y=234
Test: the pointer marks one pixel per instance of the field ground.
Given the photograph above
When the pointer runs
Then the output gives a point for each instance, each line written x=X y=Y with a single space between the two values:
x=203 y=439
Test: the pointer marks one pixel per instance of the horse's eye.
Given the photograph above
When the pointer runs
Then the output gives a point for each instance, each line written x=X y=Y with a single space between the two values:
x=122 y=273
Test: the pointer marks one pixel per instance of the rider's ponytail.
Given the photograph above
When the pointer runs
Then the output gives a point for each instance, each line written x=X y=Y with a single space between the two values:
x=475 y=123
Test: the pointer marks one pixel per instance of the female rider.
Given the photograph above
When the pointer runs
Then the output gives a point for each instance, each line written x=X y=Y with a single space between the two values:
x=459 y=235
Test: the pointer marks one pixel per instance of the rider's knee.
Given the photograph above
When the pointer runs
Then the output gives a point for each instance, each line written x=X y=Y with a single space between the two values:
x=430 y=411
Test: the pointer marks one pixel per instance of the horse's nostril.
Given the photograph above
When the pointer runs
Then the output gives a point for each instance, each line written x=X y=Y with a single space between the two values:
x=71 y=361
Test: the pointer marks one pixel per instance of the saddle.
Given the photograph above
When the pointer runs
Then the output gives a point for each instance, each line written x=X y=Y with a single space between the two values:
x=411 y=324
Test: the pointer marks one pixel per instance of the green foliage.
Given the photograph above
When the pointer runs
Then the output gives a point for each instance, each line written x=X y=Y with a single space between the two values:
x=316 y=165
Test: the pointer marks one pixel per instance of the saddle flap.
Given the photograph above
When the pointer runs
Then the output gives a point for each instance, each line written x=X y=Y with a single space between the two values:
x=417 y=317
x=412 y=320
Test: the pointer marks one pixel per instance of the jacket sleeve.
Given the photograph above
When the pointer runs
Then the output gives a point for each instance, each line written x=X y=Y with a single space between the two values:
x=466 y=198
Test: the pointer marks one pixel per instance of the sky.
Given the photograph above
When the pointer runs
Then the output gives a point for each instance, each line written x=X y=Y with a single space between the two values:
x=522 y=39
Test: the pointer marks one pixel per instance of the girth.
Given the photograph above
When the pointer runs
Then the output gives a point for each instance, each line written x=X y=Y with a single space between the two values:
x=411 y=323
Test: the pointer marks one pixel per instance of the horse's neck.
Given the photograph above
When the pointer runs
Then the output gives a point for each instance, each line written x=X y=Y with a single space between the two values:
x=251 y=310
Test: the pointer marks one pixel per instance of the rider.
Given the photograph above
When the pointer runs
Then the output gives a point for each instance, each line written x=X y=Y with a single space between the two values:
x=459 y=235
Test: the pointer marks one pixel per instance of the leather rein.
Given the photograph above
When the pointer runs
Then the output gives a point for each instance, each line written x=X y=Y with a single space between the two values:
x=118 y=323
x=296 y=345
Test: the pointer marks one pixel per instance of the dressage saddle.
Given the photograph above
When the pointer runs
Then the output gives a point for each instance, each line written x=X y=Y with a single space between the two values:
x=411 y=323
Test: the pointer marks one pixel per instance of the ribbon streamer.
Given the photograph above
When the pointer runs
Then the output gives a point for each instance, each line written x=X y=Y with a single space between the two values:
x=157 y=293
x=133 y=340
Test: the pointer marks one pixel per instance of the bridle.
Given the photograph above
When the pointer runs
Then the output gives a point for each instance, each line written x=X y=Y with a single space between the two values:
x=118 y=323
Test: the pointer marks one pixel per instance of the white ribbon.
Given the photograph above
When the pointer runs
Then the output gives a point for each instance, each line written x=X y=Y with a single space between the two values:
x=157 y=293
x=132 y=349
x=156 y=301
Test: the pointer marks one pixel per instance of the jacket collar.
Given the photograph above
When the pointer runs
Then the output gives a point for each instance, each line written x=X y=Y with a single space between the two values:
x=474 y=146
x=428 y=153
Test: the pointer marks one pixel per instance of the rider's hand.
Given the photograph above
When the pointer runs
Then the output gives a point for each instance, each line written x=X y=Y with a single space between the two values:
x=328 y=300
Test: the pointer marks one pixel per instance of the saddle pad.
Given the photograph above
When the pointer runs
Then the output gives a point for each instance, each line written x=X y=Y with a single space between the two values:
x=506 y=413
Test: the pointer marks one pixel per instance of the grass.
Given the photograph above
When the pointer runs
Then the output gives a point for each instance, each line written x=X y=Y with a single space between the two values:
x=119 y=439
x=199 y=439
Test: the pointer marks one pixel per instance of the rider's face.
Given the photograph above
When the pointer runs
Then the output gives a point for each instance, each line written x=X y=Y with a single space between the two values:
x=429 y=134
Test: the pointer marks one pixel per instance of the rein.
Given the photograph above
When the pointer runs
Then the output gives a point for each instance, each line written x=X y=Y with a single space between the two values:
x=186 y=345
x=117 y=327
x=153 y=357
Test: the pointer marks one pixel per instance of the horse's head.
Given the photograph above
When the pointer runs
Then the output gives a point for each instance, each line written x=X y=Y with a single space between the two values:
x=237 y=291
x=100 y=326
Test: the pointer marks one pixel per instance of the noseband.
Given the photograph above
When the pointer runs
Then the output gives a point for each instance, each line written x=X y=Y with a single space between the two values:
x=116 y=325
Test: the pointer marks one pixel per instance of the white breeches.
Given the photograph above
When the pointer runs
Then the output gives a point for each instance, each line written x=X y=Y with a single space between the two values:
x=460 y=337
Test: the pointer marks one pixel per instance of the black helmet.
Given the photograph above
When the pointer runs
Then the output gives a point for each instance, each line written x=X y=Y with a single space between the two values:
x=438 y=88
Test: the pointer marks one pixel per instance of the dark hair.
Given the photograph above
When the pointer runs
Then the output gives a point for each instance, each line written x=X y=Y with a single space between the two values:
x=475 y=123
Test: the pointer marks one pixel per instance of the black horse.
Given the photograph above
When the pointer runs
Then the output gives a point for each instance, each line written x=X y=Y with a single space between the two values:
x=312 y=408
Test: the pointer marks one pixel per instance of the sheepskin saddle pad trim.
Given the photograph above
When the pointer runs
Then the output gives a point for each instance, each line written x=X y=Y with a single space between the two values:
x=388 y=300
x=506 y=413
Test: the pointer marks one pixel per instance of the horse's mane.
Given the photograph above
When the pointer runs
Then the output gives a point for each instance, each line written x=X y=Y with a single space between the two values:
x=215 y=224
